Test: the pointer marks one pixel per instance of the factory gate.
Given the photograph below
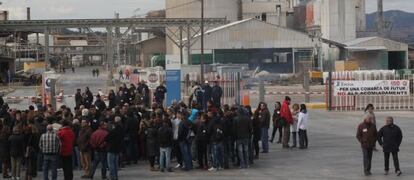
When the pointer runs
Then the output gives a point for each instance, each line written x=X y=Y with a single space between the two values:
x=348 y=102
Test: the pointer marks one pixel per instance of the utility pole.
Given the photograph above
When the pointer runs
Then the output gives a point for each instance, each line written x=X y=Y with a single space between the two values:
x=380 y=18
x=202 y=42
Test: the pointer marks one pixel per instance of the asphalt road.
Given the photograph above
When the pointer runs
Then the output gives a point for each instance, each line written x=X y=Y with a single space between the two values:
x=333 y=153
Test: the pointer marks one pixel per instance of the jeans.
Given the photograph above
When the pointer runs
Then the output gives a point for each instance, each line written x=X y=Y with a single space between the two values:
x=294 y=137
x=99 y=157
x=86 y=162
x=15 y=166
x=132 y=150
x=165 y=158
x=218 y=151
x=286 y=135
x=49 y=163
x=202 y=153
x=367 y=154
x=303 y=138
x=67 y=167
x=395 y=159
x=275 y=129
x=185 y=148
x=113 y=159
x=243 y=152
x=177 y=152
x=76 y=158
x=265 y=139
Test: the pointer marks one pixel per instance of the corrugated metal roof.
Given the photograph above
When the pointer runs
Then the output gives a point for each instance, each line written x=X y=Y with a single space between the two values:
x=359 y=40
x=365 y=48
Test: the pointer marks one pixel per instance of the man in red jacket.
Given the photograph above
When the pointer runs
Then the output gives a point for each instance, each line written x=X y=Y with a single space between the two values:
x=67 y=138
x=287 y=118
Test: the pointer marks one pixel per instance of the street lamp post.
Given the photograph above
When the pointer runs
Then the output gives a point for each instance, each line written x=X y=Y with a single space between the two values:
x=202 y=42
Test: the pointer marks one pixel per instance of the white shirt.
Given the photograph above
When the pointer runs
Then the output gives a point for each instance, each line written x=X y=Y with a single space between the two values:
x=175 y=124
x=294 y=126
x=303 y=121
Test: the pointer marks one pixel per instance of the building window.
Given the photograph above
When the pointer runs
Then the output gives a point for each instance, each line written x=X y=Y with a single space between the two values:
x=280 y=57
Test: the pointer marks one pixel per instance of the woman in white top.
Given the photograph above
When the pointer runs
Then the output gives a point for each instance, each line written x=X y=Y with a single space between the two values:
x=302 y=126
x=293 y=127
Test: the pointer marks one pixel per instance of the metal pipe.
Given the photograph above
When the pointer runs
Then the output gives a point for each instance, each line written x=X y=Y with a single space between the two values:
x=202 y=42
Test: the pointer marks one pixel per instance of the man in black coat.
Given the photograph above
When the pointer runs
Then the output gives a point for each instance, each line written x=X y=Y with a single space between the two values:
x=217 y=93
x=390 y=137
x=78 y=98
x=207 y=94
x=114 y=141
x=242 y=128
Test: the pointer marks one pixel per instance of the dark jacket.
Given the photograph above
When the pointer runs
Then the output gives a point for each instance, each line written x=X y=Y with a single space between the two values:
x=4 y=145
x=216 y=92
x=165 y=136
x=151 y=139
x=207 y=92
x=367 y=135
x=202 y=132
x=16 y=145
x=216 y=131
x=112 y=100
x=78 y=99
x=114 y=139
x=160 y=93
x=183 y=130
x=83 y=140
x=100 y=104
x=264 y=118
x=242 y=127
x=390 y=137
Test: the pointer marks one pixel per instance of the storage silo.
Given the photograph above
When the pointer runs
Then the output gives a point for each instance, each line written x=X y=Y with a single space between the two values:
x=212 y=9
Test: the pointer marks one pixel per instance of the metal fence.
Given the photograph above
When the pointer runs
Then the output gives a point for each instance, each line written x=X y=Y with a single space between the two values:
x=380 y=102
x=230 y=82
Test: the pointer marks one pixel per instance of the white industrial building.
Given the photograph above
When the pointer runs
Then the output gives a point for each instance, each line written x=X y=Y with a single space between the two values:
x=326 y=27
x=260 y=44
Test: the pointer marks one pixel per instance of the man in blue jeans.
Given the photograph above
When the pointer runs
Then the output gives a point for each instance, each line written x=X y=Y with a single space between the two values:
x=50 y=146
x=99 y=145
x=114 y=141
x=242 y=128
x=165 y=138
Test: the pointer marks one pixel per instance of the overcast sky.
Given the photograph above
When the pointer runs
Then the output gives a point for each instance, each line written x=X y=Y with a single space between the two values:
x=64 y=9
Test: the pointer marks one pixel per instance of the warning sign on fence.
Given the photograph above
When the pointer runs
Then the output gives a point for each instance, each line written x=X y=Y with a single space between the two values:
x=372 y=88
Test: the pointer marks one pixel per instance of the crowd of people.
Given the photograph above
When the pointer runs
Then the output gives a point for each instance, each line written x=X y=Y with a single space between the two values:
x=129 y=129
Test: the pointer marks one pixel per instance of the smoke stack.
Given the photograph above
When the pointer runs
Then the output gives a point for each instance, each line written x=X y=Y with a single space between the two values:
x=28 y=13
x=239 y=10
x=380 y=18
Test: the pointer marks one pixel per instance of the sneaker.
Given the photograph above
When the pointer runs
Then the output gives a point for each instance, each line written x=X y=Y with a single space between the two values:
x=212 y=169
x=399 y=173
x=178 y=166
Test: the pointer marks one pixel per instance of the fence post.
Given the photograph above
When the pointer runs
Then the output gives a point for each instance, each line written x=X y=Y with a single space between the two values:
x=261 y=90
x=238 y=89
x=330 y=90
x=306 y=87
x=53 y=93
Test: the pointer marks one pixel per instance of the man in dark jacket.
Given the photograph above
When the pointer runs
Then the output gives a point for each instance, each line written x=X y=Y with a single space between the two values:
x=216 y=131
x=207 y=94
x=165 y=138
x=78 y=98
x=160 y=94
x=367 y=136
x=114 y=141
x=89 y=98
x=99 y=103
x=390 y=137
x=242 y=128
x=216 y=94
x=184 y=141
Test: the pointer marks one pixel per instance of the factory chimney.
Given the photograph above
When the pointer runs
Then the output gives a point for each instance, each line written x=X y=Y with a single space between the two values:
x=380 y=18
x=28 y=13
x=239 y=10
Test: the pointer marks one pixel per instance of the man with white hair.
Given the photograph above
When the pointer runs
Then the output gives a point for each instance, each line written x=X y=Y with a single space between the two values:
x=390 y=138
x=367 y=136
x=50 y=147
